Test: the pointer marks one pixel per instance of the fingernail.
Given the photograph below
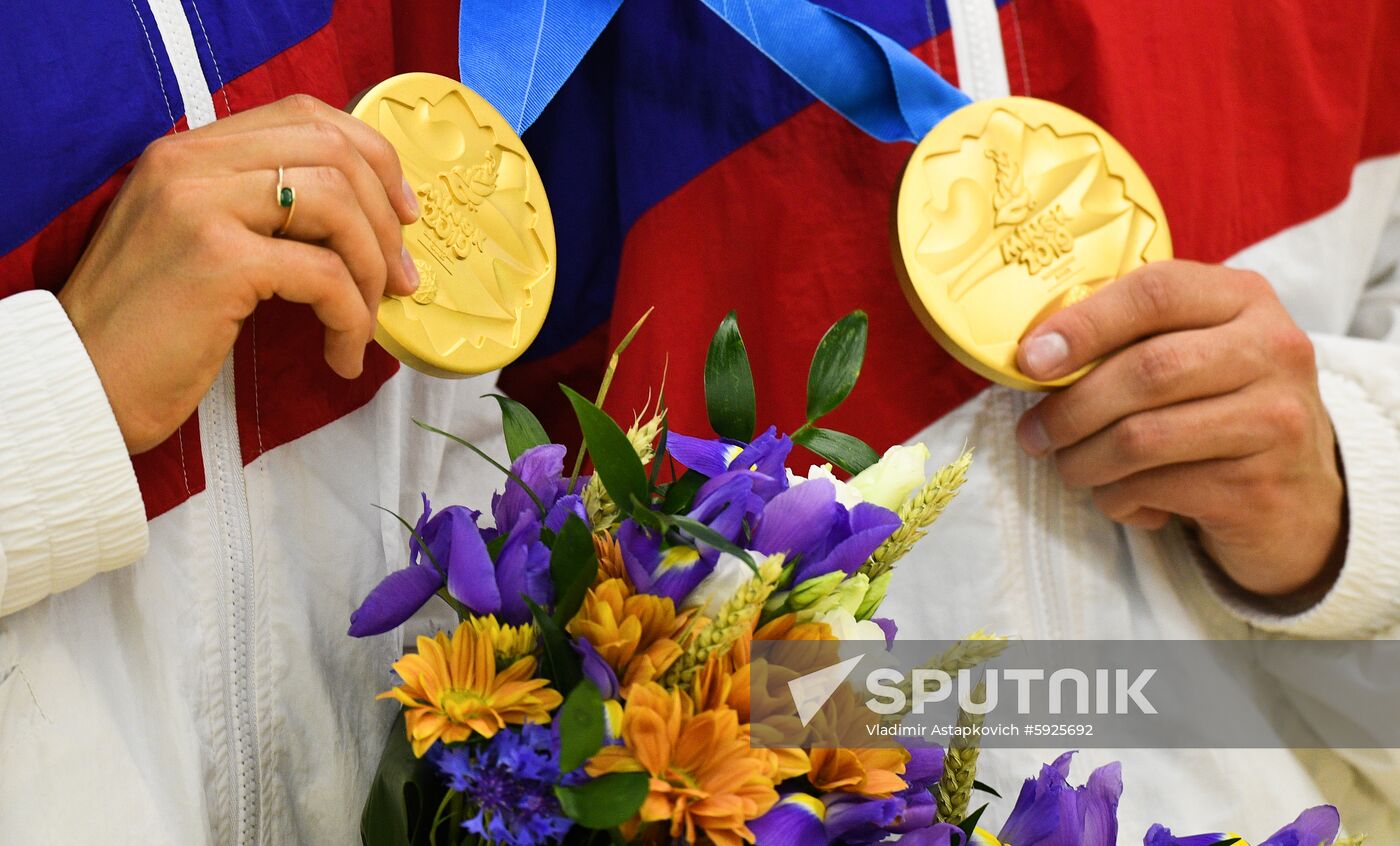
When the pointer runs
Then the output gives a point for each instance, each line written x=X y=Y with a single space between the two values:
x=410 y=200
x=410 y=272
x=1045 y=352
x=1032 y=435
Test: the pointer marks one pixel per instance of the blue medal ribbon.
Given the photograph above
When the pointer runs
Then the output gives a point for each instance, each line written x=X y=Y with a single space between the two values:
x=517 y=54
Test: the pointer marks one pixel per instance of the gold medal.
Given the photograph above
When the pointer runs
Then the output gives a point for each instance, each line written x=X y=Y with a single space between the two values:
x=484 y=245
x=1010 y=210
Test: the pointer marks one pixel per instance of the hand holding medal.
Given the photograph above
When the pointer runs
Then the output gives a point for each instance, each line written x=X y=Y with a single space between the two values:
x=1014 y=221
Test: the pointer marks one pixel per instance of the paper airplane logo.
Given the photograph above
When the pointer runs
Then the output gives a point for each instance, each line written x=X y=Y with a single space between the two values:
x=810 y=692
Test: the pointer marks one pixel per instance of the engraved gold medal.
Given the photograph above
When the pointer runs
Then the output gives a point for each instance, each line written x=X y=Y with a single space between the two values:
x=484 y=245
x=1010 y=210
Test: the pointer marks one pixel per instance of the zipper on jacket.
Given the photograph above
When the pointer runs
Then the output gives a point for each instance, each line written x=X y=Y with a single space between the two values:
x=233 y=535
x=225 y=486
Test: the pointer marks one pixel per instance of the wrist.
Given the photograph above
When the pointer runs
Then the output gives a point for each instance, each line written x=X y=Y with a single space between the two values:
x=135 y=435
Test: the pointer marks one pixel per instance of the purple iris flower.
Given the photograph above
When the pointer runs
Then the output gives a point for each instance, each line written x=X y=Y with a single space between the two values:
x=457 y=552
x=726 y=504
x=542 y=469
x=522 y=569
x=806 y=522
x=854 y=820
x=766 y=455
x=942 y=834
x=459 y=558
x=1049 y=812
x=595 y=668
x=672 y=571
x=1313 y=827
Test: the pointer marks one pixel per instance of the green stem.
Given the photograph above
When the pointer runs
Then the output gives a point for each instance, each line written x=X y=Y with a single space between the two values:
x=437 y=818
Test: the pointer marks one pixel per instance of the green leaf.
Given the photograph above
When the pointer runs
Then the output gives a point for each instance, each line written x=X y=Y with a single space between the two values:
x=561 y=663
x=660 y=455
x=845 y=451
x=681 y=492
x=605 y=801
x=985 y=788
x=399 y=806
x=729 y=395
x=836 y=364
x=573 y=565
x=969 y=824
x=614 y=459
x=580 y=726
x=521 y=427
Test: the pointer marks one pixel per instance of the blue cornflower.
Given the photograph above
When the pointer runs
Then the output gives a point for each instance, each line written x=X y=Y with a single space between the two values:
x=510 y=780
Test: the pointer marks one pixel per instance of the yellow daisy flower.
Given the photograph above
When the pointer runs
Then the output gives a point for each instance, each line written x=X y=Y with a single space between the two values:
x=451 y=690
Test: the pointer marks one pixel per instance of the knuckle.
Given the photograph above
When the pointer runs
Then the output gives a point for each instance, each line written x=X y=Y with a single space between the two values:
x=328 y=268
x=1291 y=346
x=333 y=181
x=381 y=149
x=212 y=238
x=1109 y=501
x=162 y=152
x=1254 y=285
x=1138 y=438
x=1159 y=365
x=1081 y=326
x=1059 y=418
x=1155 y=291
x=1289 y=419
x=330 y=140
x=378 y=267
x=302 y=105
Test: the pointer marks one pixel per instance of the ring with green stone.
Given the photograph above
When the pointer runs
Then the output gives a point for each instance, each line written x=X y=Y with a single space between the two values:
x=287 y=199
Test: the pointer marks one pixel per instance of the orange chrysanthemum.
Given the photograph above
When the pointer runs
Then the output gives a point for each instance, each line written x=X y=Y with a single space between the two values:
x=718 y=686
x=637 y=634
x=869 y=772
x=451 y=690
x=610 y=564
x=786 y=627
x=705 y=777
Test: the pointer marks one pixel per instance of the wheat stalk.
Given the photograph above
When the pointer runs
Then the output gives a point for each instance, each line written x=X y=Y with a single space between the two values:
x=970 y=652
x=734 y=620
x=953 y=792
x=918 y=513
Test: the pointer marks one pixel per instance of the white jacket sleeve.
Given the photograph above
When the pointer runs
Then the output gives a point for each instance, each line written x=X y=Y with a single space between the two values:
x=69 y=503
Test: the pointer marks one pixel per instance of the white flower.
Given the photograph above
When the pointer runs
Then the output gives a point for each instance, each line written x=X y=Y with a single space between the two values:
x=730 y=574
x=845 y=494
x=845 y=626
x=897 y=474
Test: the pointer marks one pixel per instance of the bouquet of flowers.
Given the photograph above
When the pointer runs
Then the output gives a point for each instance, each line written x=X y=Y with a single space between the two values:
x=596 y=688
